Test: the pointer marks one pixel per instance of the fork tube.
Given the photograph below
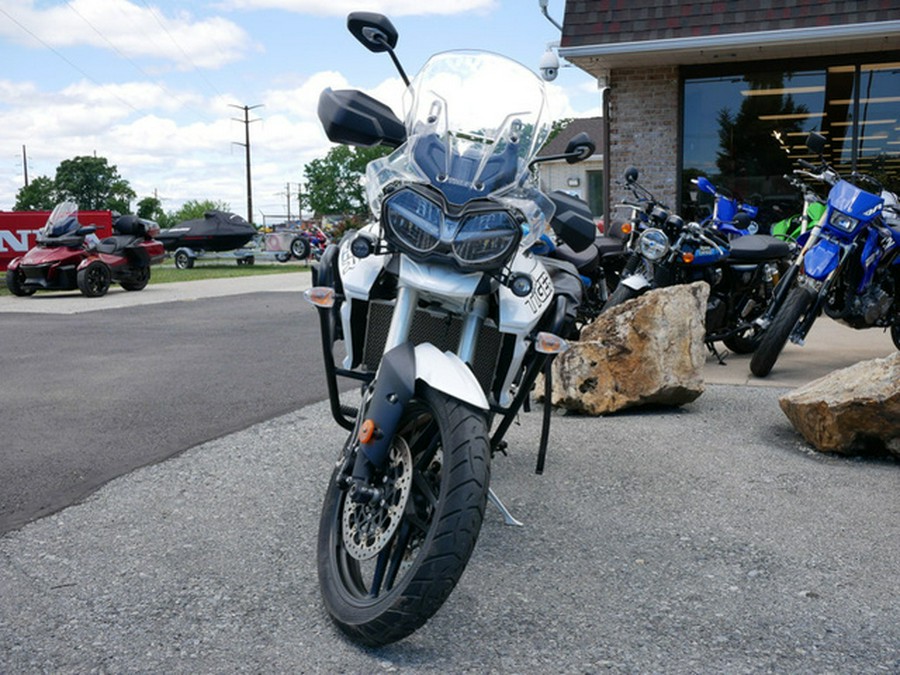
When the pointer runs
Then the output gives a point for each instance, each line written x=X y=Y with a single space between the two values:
x=468 y=341
x=401 y=321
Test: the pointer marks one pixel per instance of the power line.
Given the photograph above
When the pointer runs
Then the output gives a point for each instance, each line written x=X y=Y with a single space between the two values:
x=126 y=57
x=175 y=42
x=60 y=55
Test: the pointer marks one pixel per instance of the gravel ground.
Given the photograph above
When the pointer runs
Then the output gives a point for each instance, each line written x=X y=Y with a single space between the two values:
x=706 y=539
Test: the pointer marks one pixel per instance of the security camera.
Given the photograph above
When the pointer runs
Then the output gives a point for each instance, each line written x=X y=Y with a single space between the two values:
x=549 y=65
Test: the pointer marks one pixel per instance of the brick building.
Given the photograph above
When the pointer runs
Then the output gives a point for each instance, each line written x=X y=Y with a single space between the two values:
x=730 y=88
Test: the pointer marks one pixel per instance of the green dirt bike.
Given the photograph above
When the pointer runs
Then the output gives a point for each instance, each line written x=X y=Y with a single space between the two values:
x=795 y=227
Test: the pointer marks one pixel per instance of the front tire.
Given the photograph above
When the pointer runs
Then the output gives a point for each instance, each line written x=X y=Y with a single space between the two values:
x=621 y=294
x=795 y=307
x=895 y=333
x=93 y=281
x=15 y=280
x=381 y=579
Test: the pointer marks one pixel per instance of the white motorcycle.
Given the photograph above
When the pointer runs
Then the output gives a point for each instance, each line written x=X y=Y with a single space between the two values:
x=445 y=315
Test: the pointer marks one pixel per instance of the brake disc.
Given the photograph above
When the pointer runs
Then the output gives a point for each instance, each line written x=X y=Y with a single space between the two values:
x=368 y=527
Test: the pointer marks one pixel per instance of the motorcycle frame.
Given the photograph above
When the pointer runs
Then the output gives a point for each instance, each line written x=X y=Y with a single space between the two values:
x=354 y=279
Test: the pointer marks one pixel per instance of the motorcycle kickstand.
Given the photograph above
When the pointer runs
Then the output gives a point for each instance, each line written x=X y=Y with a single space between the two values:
x=507 y=516
x=715 y=352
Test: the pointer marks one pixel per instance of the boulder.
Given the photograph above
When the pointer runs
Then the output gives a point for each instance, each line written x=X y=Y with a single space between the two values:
x=647 y=350
x=852 y=409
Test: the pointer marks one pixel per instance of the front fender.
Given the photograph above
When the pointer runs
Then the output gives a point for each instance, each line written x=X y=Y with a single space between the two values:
x=636 y=282
x=822 y=259
x=395 y=383
x=14 y=263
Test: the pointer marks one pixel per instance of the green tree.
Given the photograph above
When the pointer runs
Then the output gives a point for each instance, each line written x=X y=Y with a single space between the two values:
x=194 y=209
x=333 y=184
x=38 y=195
x=93 y=184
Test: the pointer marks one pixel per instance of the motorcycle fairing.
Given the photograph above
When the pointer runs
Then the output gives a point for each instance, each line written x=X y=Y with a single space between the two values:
x=822 y=259
x=847 y=198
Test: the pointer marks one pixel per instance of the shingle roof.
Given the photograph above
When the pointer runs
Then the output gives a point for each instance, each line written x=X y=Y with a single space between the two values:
x=590 y=22
x=592 y=125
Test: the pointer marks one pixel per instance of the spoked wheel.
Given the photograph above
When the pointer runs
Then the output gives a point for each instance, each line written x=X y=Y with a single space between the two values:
x=93 y=281
x=385 y=568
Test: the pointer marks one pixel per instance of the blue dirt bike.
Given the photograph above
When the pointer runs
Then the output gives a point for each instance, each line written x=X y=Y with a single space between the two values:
x=849 y=267
x=730 y=216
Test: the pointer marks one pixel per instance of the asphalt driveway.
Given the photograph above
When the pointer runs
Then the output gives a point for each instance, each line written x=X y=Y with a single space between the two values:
x=706 y=539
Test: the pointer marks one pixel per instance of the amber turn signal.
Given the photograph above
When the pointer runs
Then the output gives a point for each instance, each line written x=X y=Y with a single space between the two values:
x=320 y=296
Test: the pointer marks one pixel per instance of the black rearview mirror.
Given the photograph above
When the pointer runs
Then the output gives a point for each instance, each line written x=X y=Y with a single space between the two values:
x=374 y=31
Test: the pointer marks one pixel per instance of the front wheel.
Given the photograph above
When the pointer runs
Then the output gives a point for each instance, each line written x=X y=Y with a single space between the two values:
x=621 y=294
x=93 y=281
x=385 y=568
x=798 y=303
x=895 y=333
x=15 y=282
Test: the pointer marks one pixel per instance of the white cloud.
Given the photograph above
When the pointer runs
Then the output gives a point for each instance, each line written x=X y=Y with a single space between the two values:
x=127 y=29
x=343 y=7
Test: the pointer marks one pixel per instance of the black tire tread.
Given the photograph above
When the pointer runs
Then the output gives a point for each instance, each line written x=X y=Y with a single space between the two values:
x=776 y=336
x=452 y=538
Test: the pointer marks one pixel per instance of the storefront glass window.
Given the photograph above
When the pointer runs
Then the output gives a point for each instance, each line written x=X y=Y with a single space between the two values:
x=745 y=131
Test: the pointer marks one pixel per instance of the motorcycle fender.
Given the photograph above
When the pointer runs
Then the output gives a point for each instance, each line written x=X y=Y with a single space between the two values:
x=14 y=263
x=395 y=384
x=636 y=282
x=822 y=259
x=87 y=261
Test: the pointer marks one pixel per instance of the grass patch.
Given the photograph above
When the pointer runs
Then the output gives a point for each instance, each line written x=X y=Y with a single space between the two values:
x=164 y=274
x=167 y=273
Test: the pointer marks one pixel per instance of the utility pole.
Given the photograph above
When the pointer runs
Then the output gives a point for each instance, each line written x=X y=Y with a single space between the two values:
x=246 y=121
x=25 y=165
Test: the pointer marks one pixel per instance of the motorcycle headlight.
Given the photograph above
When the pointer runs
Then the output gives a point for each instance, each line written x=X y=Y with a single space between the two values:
x=654 y=244
x=843 y=222
x=413 y=221
x=485 y=239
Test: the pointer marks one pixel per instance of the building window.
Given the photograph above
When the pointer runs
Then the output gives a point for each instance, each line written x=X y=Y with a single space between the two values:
x=746 y=128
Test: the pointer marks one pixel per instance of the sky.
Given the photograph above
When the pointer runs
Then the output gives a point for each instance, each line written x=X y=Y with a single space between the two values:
x=157 y=87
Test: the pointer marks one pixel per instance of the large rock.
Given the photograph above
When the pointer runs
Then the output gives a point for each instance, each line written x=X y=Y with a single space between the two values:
x=850 y=409
x=647 y=350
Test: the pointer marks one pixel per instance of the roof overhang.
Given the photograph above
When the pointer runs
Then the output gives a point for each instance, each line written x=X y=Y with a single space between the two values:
x=874 y=36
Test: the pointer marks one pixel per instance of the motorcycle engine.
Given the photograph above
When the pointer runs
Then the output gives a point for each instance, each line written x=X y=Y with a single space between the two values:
x=869 y=309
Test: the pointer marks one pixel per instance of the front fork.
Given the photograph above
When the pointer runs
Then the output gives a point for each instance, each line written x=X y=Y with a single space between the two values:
x=787 y=282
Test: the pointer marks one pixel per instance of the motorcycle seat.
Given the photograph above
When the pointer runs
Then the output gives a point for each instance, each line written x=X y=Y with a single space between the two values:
x=116 y=244
x=758 y=247
x=585 y=262
x=609 y=245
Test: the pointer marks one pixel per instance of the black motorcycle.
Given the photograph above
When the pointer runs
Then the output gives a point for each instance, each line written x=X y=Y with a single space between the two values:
x=741 y=273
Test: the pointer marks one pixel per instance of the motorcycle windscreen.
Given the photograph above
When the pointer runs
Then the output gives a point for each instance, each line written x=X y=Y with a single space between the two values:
x=821 y=259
